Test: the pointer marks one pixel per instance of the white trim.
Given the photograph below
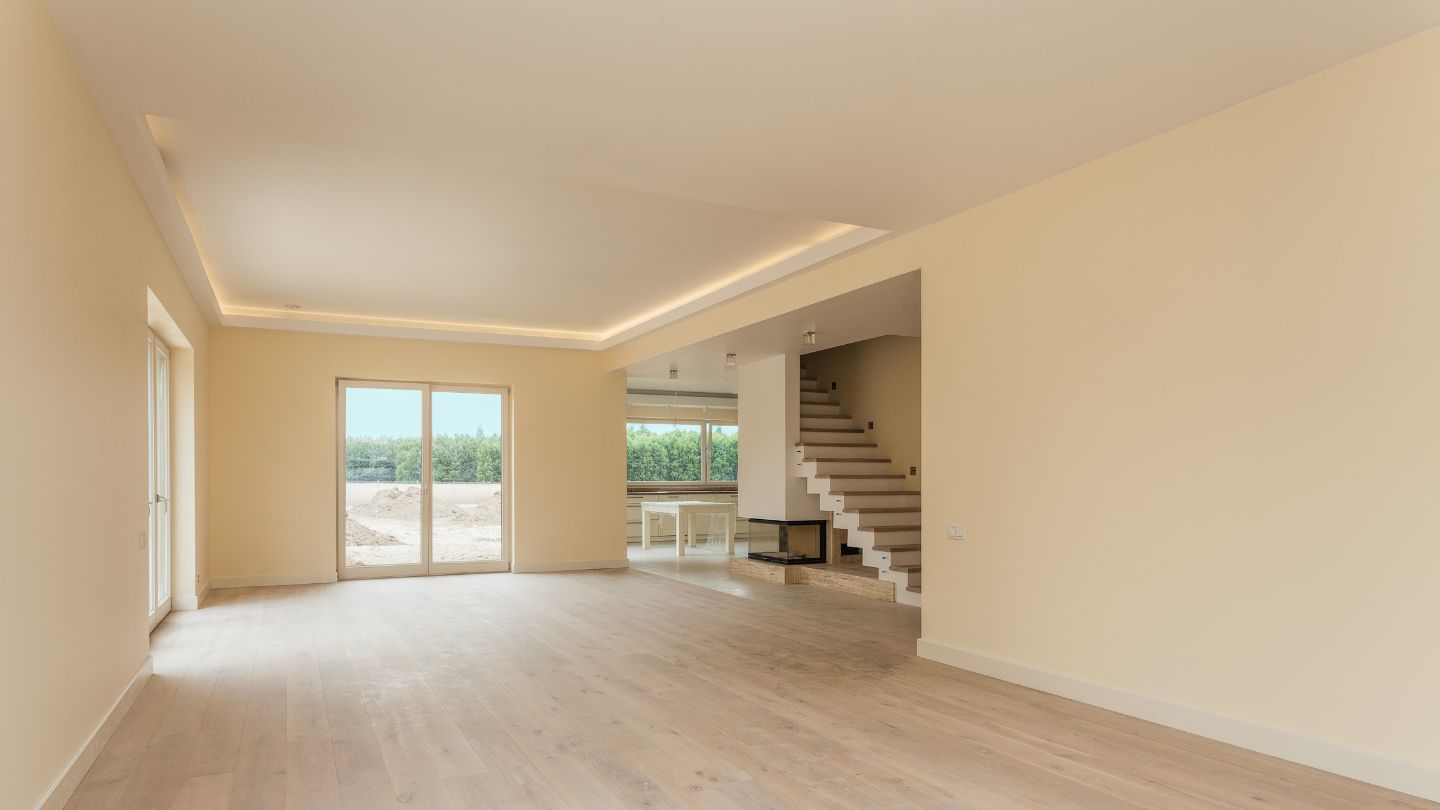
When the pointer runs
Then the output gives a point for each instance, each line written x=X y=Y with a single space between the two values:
x=69 y=778
x=262 y=580
x=567 y=565
x=1366 y=766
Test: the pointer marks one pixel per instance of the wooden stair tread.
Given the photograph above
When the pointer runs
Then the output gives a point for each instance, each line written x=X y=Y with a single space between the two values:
x=834 y=444
x=847 y=459
x=824 y=416
x=879 y=492
x=832 y=430
x=888 y=529
x=899 y=547
x=866 y=510
x=860 y=475
x=906 y=569
x=913 y=588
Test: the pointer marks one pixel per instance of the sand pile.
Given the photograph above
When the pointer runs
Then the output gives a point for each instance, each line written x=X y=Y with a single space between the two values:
x=403 y=503
x=358 y=534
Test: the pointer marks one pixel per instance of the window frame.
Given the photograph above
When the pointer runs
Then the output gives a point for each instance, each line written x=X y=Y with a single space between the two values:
x=704 y=450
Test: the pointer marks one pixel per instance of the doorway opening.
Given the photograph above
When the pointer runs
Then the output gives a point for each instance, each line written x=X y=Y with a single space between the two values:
x=422 y=472
x=158 y=529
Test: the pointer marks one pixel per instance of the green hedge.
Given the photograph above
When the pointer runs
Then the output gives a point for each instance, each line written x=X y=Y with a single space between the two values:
x=455 y=459
x=653 y=453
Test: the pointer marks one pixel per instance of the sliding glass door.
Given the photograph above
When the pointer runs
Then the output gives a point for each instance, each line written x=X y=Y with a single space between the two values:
x=158 y=530
x=422 y=473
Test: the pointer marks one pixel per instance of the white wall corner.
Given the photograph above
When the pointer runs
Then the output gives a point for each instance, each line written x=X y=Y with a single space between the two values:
x=1366 y=766
x=192 y=602
x=69 y=778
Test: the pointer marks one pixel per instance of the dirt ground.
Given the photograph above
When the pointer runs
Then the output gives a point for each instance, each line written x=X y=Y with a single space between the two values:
x=382 y=523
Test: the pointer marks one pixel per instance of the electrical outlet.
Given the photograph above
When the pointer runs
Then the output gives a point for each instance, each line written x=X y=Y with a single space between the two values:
x=954 y=531
x=912 y=470
x=870 y=425
x=833 y=385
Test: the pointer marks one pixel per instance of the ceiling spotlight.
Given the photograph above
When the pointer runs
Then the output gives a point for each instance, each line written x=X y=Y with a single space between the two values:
x=292 y=306
x=674 y=373
x=729 y=361
x=808 y=336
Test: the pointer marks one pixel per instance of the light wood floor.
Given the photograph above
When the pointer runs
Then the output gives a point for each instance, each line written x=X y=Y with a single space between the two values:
x=620 y=688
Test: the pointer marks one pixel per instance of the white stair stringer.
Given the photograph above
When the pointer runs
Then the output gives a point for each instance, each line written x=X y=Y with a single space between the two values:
x=858 y=485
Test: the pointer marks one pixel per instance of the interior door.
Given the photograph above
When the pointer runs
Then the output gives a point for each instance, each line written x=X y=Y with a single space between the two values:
x=422 y=471
x=159 y=480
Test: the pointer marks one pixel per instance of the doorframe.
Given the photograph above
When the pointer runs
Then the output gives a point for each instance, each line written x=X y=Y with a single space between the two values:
x=427 y=566
x=161 y=417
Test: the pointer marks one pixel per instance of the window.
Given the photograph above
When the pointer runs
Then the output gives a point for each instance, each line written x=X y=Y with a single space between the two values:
x=724 y=452
x=680 y=452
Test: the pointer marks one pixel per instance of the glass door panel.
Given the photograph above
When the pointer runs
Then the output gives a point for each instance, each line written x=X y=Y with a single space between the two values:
x=467 y=469
x=423 y=471
x=382 y=465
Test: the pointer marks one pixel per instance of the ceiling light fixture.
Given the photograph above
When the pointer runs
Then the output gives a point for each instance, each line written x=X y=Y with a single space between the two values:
x=729 y=361
x=292 y=306
x=808 y=336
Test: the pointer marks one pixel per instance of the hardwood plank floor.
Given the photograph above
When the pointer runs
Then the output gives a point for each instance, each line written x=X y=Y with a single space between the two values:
x=624 y=689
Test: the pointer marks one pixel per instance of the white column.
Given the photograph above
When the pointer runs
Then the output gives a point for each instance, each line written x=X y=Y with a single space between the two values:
x=769 y=411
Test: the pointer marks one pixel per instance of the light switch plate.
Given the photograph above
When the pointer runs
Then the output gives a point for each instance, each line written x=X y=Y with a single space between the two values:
x=954 y=531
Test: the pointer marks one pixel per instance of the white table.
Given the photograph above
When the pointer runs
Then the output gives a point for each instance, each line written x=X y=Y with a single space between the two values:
x=685 y=512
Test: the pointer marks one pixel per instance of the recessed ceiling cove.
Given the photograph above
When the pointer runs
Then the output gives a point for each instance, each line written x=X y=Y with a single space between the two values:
x=574 y=172
x=360 y=230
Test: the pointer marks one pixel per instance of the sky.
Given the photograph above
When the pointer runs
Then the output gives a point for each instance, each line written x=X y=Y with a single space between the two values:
x=395 y=412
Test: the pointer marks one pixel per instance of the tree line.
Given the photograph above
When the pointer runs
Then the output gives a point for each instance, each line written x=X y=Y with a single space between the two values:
x=457 y=459
x=652 y=454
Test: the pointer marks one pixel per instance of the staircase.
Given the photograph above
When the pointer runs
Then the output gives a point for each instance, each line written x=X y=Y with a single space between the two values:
x=855 y=482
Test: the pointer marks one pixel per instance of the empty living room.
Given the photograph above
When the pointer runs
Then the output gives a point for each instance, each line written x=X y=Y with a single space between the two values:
x=988 y=404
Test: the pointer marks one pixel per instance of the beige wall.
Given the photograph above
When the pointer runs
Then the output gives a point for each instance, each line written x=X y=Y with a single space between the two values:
x=273 y=445
x=1184 y=400
x=878 y=380
x=77 y=251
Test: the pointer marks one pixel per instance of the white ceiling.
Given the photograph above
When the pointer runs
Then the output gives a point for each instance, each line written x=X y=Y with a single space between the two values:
x=408 y=237
x=579 y=171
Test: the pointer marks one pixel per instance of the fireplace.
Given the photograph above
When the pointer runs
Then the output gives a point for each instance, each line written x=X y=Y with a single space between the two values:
x=789 y=542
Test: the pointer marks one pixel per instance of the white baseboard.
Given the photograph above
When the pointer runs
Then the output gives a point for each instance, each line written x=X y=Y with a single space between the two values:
x=1366 y=766
x=568 y=565
x=272 y=579
x=74 y=771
